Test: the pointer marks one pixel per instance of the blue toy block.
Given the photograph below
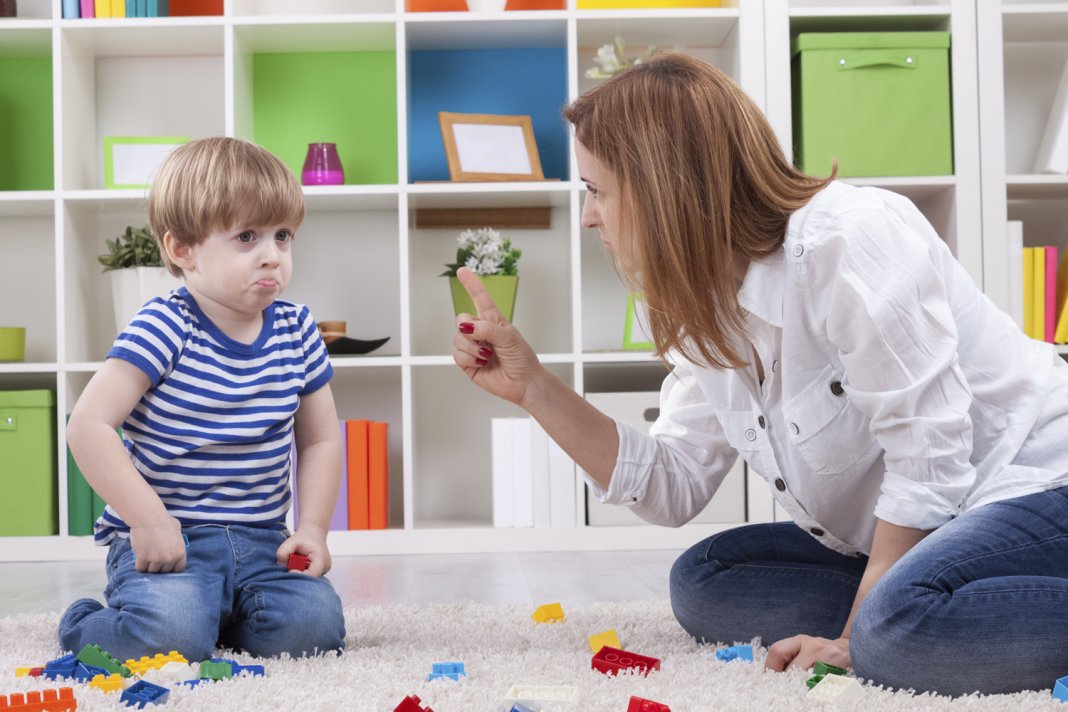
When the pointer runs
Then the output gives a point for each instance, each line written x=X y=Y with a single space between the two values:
x=1060 y=690
x=142 y=693
x=736 y=652
x=62 y=667
x=252 y=670
x=451 y=670
x=520 y=708
x=86 y=673
x=194 y=683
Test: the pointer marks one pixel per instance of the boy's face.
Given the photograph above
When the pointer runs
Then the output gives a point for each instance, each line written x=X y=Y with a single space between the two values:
x=243 y=269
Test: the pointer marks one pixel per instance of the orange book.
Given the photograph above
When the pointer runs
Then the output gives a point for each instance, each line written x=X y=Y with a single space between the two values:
x=378 y=467
x=356 y=454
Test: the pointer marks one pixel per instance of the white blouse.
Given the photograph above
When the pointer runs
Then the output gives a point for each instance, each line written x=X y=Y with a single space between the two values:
x=893 y=388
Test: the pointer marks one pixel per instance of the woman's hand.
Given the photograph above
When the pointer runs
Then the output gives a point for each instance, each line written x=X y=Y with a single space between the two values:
x=490 y=350
x=802 y=651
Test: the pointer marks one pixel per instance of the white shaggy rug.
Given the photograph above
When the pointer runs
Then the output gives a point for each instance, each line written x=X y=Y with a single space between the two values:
x=391 y=649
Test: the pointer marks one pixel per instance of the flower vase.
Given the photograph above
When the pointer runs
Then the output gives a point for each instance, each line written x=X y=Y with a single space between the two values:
x=322 y=165
x=501 y=287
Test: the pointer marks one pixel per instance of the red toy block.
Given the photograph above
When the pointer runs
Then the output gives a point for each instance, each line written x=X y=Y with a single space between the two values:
x=411 y=704
x=61 y=700
x=36 y=672
x=637 y=704
x=298 y=562
x=612 y=660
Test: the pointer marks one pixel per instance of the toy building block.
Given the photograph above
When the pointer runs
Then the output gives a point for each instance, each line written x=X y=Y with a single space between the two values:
x=36 y=672
x=548 y=613
x=23 y=671
x=95 y=656
x=599 y=640
x=170 y=674
x=85 y=673
x=1060 y=689
x=520 y=708
x=298 y=562
x=61 y=667
x=256 y=670
x=837 y=689
x=613 y=660
x=61 y=700
x=216 y=670
x=637 y=704
x=140 y=667
x=735 y=652
x=411 y=703
x=107 y=683
x=821 y=670
x=566 y=694
x=450 y=670
x=142 y=693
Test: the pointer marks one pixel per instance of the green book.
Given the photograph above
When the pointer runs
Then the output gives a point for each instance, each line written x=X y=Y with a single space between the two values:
x=79 y=499
x=98 y=506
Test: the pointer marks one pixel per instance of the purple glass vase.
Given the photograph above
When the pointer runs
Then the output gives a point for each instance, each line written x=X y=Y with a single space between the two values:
x=322 y=165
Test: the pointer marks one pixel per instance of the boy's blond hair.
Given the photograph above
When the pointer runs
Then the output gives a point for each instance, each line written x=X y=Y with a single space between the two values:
x=220 y=184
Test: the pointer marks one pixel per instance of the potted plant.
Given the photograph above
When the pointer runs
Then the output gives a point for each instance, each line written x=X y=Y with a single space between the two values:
x=137 y=273
x=494 y=260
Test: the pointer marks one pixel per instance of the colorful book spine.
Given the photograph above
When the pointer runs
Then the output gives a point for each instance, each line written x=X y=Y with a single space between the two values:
x=1029 y=290
x=378 y=474
x=118 y=8
x=131 y=8
x=71 y=9
x=356 y=451
x=1038 y=295
x=88 y=9
x=1060 y=334
x=340 y=520
x=1051 y=294
x=103 y=8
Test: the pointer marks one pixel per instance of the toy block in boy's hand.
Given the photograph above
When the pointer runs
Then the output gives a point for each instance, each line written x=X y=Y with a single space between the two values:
x=736 y=652
x=61 y=700
x=411 y=704
x=599 y=640
x=637 y=704
x=548 y=613
x=612 y=660
x=298 y=562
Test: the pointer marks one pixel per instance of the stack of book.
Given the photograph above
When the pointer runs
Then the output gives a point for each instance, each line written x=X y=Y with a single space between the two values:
x=1038 y=288
x=105 y=9
x=533 y=479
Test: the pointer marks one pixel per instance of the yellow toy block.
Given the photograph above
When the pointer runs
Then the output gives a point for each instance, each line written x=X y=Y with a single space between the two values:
x=107 y=683
x=608 y=637
x=22 y=671
x=548 y=613
x=140 y=667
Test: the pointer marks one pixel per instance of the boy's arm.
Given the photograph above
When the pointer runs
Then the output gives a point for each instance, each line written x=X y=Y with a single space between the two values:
x=318 y=478
x=109 y=397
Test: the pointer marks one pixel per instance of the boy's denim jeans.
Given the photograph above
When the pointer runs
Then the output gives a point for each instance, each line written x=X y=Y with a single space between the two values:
x=981 y=604
x=233 y=591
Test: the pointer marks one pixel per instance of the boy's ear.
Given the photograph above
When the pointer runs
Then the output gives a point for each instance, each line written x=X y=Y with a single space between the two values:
x=179 y=254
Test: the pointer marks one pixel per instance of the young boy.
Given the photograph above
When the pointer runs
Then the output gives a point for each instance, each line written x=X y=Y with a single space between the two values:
x=211 y=385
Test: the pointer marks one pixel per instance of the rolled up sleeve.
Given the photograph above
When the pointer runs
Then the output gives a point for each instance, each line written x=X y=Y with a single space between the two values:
x=888 y=314
x=669 y=475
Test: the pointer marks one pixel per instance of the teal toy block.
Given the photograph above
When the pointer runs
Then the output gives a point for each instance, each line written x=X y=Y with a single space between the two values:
x=735 y=652
x=451 y=670
x=1060 y=689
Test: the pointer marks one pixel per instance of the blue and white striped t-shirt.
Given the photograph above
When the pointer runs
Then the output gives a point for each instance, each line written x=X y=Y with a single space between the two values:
x=212 y=435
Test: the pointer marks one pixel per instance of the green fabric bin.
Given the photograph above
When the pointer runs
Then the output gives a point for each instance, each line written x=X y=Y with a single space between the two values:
x=28 y=499
x=879 y=102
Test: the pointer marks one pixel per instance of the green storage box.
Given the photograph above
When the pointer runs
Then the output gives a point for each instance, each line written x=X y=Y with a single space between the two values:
x=879 y=102
x=28 y=499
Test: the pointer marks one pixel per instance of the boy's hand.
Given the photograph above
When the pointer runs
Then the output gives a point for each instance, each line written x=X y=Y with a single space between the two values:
x=310 y=541
x=159 y=547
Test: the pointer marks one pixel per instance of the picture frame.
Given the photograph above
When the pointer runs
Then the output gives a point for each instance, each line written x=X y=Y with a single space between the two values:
x=131 y=161
x=636 y=326
x=490 y=147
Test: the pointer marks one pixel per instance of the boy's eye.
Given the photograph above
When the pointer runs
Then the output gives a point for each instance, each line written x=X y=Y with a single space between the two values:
x=283 y=235
x=246 y=236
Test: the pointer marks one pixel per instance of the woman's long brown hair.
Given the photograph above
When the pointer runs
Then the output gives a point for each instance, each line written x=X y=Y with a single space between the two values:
x=702 y=180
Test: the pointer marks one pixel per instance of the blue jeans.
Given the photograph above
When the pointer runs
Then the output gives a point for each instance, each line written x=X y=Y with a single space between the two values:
x=981 y=604
x=233 y=592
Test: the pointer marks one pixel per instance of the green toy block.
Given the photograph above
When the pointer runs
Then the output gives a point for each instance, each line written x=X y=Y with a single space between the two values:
x=97 y=657
x=821 y=668
x=813 y=681
x=216 y=671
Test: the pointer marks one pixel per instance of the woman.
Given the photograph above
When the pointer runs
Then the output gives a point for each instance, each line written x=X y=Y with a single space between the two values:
x=826 y=334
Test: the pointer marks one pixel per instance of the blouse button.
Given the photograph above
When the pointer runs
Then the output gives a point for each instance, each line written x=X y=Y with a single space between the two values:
x=816 y=531
x=794 y=429
x=750 y=435
x=761 y=422
x=799 y=250
x=780 y=485
x=836 y=388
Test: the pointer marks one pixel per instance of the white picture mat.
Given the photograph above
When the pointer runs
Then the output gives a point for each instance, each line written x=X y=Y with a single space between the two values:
x=488 y=148
x=136 y=163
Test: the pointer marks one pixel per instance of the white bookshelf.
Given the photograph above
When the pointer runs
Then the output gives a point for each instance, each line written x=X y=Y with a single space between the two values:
x=359 y=259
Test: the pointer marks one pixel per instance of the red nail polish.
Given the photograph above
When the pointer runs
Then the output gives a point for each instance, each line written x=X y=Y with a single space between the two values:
x=467 y=328
x=481 y=361
x=484 y=352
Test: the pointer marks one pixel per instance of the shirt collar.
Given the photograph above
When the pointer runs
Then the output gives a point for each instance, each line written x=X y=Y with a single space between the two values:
x=761 y=291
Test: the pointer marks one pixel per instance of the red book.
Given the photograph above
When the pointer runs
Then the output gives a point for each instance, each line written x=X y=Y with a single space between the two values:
x=1051 y=293
x=356 y=432
x=378 y=469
